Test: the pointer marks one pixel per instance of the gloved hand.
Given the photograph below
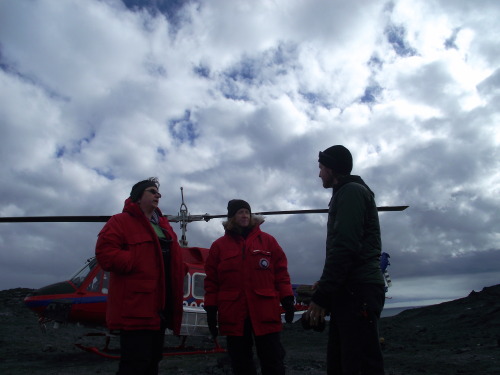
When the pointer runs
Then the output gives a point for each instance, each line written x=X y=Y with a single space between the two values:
x=289 y=307
x=212 y=320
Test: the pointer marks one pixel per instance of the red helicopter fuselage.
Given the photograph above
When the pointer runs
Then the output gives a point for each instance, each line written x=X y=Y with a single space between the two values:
x=82 y=298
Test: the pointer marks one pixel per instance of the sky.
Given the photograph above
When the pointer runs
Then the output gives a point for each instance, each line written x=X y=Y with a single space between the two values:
x=234 y=99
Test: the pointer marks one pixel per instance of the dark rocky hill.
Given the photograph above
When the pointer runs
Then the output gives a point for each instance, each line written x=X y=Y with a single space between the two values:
x=456 y=337
x=451 y=338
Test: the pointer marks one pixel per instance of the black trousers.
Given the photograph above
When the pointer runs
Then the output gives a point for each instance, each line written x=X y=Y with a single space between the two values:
x=353 y=342
x=269 y=351
x=141 y=351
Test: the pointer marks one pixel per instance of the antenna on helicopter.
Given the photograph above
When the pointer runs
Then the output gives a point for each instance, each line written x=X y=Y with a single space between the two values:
x=183 y=215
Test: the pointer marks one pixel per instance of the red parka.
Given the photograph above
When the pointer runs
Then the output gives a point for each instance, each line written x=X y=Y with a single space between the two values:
x=129 y=248
x=247 y=277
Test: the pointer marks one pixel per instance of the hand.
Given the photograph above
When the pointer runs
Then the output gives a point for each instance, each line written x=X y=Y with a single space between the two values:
x=306 y=324
x=289 y=308
x=315 y=317
x=212 y=320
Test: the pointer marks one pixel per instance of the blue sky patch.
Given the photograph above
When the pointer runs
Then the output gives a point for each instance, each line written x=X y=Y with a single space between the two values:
x=104 y=173
x=75 y=146
x=246 y=71
x=161 y=151
x=316 y=99
x=371 y=93
x=168 y=8
x=202 y=71
x=450 y=42
x=375 y=62
x=60 y=152
x=396 y=37
x=183 y=130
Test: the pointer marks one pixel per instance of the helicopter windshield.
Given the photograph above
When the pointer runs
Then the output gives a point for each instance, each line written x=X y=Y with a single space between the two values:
x=80 y=276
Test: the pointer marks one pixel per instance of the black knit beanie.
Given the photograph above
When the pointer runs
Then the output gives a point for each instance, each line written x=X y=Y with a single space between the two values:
x=138 y=188
x=234 y=205
x=338 y=159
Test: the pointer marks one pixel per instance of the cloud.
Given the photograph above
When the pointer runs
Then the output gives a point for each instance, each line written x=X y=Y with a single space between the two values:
x=230 y=101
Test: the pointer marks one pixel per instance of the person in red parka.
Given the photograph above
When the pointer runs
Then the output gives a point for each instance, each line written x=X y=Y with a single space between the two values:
x=246 y=279
x=140 y=249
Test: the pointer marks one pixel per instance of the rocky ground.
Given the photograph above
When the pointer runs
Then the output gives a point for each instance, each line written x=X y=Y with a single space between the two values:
x=457 y=337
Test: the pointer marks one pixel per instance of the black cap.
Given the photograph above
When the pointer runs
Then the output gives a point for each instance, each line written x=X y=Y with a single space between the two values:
x=338 y=159
x=138 y=188
x=236 y=204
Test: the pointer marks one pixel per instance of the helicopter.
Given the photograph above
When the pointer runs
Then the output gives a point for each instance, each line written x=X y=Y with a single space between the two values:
x=82 y=298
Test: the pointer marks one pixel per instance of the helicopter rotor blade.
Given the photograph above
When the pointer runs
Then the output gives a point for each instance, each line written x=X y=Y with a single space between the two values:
x=55 y=219
x=172 y=218
x=294 y=212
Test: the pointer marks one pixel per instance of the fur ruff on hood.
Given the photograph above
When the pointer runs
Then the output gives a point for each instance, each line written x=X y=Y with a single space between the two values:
x=255 y=220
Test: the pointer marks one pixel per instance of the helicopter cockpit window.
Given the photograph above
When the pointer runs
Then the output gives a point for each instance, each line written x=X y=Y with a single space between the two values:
x=187 y=285
x=80 y=276
x=100 y=283
x=95 y=285
x=199 y=285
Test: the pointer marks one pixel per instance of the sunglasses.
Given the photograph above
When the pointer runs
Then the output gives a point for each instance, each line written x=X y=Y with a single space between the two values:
x=154 y=192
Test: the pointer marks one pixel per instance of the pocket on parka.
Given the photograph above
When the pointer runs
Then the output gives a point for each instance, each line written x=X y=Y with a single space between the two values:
x=140 y=299
x=266 y=292
x=261 y=260
x=268 y=309
x=144 y=256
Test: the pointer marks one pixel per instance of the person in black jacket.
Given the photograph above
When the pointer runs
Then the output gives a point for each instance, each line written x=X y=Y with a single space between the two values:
x=351 y=287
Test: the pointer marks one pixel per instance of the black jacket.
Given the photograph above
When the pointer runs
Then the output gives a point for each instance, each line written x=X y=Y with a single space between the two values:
x=353 y=244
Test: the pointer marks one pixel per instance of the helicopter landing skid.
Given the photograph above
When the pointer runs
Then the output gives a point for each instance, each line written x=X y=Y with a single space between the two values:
x=170 y=351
